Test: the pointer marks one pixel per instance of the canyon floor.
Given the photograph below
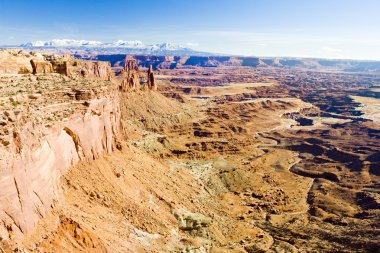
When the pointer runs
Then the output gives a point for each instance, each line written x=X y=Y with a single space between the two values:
x=228 y=160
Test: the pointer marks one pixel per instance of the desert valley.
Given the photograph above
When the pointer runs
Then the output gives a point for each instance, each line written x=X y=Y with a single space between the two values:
x=103 y=152
x=202 y=126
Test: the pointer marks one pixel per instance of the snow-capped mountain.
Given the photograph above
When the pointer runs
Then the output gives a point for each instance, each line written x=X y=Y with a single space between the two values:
x=166 y=46
x=127 y=44
x=63 y=43
x=120 y=46
x=93 y=43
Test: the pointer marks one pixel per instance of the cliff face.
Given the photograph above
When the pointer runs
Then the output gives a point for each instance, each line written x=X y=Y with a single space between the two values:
x=49 y=123
x=17 y=62
x=89 y=69
x=36 y=157
x=20 y=62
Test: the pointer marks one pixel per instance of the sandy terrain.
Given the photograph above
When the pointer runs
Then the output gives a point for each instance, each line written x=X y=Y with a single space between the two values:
x=278 y=161
x=370 y=107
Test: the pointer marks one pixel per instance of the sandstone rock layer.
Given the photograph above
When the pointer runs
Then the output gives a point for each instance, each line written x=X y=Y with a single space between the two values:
x=52 y=123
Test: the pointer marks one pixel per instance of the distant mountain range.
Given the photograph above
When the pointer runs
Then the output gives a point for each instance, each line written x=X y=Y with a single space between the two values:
x=180 y=56
x=120 y=47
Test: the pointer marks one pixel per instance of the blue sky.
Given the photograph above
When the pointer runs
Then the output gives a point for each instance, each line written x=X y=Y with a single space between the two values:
x=304 y=28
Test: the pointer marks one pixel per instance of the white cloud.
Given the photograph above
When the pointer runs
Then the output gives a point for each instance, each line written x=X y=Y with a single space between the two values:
x=331 y=50
x=192 y=44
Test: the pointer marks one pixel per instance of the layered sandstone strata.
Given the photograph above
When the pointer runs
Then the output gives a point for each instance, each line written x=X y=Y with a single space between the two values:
x=49 y=123
x=21 y=62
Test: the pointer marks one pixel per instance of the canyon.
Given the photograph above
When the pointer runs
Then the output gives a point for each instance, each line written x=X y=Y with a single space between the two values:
x=191 y=60
x=144 y=153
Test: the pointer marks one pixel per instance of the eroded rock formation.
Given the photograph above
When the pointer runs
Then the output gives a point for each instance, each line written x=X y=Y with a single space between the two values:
x=17 y=62
x=41 y=67
x=253 y=160
x=131 y=75
x=69 y=66
x=55 y=112
x=133 y=79
x=151 y=83
x=33 y=157
x=46 y=128
x=20 y=62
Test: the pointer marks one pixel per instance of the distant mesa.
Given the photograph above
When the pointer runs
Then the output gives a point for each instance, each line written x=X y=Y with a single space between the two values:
x=168 y=55
x=159 y=61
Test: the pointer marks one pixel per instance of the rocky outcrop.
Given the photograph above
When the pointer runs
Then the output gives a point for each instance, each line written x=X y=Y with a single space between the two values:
x=49 y=125
x=21 y=62
x=17 y=62
x=130 y=64
x=91 y=70
x=72 y=67
x=35 y=156
x=151 y=83
x=132 y=79
x=41 y=67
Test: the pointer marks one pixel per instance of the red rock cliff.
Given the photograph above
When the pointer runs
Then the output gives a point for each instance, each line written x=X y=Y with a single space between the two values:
x=45 y=131
x=21 y=62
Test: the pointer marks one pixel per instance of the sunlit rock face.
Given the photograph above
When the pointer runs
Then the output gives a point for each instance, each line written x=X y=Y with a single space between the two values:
x=21 y=62
x=49 y=122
